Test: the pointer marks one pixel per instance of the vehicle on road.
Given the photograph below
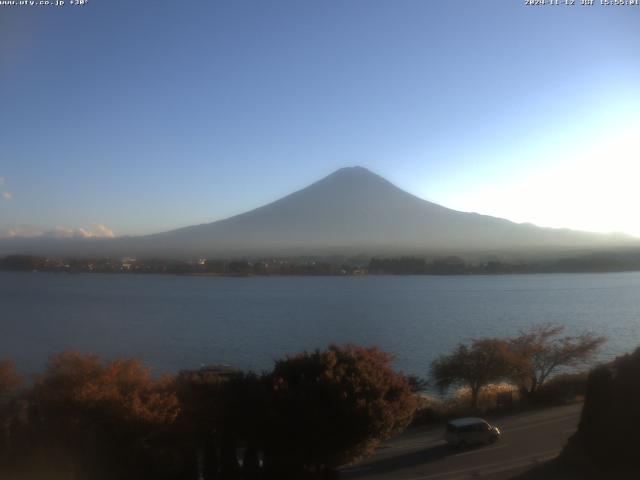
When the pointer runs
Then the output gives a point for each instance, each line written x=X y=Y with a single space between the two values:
x=467 y=431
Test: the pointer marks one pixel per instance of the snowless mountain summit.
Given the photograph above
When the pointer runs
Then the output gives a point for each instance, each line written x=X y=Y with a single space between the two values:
x=354 y=210
x=350 y=211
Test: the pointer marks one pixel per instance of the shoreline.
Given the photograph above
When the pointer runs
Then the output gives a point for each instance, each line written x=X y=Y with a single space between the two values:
x=252 y=275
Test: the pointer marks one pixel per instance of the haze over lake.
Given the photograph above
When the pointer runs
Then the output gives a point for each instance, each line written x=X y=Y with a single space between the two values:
x=176 y=322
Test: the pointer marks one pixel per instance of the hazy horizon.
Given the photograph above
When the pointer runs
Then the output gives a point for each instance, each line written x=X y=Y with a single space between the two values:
x=101 y=231
x=350 y=212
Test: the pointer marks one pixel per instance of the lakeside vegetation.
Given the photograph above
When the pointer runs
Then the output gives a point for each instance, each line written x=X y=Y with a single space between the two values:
x=87 y=418
x=528 y=360
x=603 y=261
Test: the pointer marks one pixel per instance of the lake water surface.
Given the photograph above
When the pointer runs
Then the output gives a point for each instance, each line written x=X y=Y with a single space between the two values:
x=175 y=322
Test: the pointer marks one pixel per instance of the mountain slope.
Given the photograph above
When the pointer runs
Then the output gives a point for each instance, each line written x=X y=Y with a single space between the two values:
x=351 y=211
x=355 y=210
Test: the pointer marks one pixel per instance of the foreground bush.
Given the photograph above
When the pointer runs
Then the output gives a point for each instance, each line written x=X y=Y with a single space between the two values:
x=606 y=443
x=10 y=381
x=222 y=409
x=331 y=407
x=87 y=419
x=101 y=419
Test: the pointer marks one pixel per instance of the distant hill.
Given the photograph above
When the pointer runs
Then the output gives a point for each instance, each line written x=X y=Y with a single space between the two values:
x=351 y=211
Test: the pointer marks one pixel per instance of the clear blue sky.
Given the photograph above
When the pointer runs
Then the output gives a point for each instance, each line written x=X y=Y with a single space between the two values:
x=150 y=115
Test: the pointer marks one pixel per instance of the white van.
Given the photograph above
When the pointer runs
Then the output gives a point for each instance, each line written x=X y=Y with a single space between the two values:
x=471 y=431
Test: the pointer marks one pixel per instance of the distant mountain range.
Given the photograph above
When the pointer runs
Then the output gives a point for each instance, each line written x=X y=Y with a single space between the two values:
x=349 y=212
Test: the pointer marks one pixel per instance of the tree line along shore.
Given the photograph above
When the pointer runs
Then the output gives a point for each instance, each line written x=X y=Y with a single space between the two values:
x=88 y=418
x=610 y=261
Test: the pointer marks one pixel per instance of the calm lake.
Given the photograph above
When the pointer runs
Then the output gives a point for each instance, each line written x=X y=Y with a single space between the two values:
x=174 y=322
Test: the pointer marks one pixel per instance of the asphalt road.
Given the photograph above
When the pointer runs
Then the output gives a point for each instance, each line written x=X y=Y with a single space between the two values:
x=528 y=439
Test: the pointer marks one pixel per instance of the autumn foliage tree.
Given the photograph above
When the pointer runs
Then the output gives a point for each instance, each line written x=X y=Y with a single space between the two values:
x=89 y=419
x=542 y=350
x=474 y=366
x=330 y=407
x=10 y=381
x=108 y=419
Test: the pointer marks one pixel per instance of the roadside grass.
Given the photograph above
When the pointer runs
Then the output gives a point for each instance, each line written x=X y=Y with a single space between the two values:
x=563 y=389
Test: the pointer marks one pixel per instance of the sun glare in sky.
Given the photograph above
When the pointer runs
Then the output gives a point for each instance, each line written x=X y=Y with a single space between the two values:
x=587 y=182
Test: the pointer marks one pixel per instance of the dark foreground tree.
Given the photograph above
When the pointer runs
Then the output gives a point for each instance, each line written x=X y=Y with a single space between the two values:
x=85 y=418
x=474 y=366
x=10 y=404
x=10 y=381
x=606 y=445
x=222 y=408
x=105 y=420
x=542 y=350
x=330 y=407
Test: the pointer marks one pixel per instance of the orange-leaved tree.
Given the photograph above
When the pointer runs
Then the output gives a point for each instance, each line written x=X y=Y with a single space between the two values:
x=10 y=381
x=109 y=419
x=330 y=407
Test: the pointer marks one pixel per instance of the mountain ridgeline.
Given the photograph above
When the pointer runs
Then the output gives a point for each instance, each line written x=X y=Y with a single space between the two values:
x=352 y=211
